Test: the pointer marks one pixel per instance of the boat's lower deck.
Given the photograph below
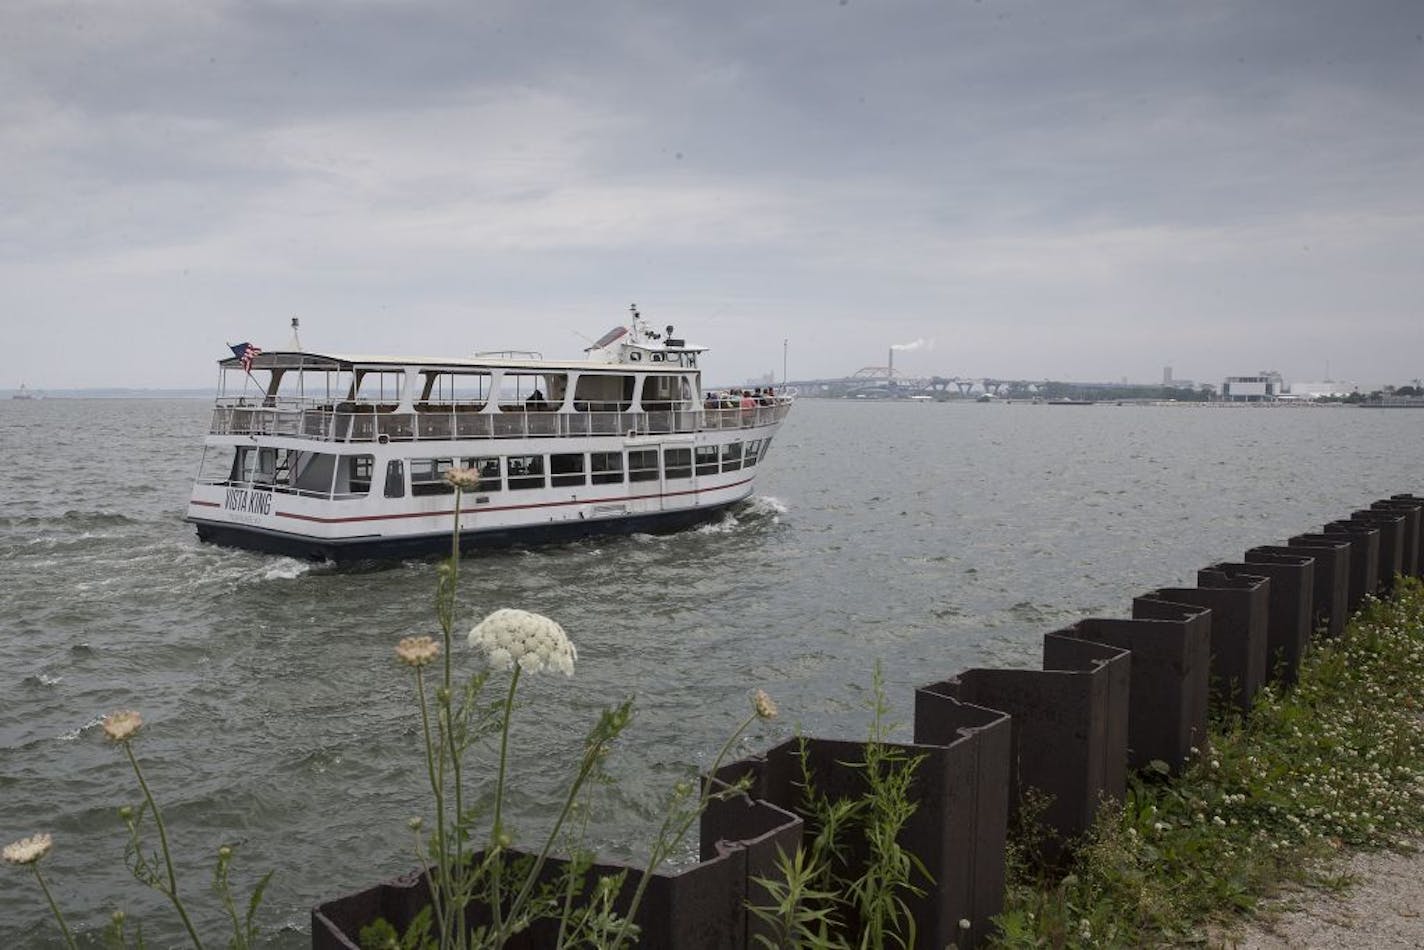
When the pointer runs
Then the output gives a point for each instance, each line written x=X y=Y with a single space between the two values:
x=471 y=537
x=393 y=499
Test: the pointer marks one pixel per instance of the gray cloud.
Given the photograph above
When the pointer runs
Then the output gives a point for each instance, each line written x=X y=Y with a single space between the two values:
x=1084 y=190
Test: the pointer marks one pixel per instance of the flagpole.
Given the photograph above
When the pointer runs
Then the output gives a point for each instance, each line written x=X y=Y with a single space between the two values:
x=249 y=375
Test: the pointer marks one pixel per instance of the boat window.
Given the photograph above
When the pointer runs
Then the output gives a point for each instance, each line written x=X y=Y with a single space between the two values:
x=310 y=473
x=643 y=465
x=218 y=464
x=462 y=388
x=525 y=471
x=753 y=447
x=566 y=468
x=660 y=392
x=249 y=464
x=488 y=469
x=379 y=386
x=395 y=479
x=604 y=392
x=427 y=477
x=707 y=460
x=265 y=470
x=731 y=456
x=354 y=477
x=531 y=392
x=607 y=467
x=677 y=463
x=765 y=447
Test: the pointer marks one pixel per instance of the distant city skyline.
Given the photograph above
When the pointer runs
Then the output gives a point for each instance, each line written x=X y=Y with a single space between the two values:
x=1067 y=191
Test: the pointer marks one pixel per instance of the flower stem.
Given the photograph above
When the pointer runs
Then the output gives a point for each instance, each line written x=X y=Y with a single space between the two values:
x=667 y=842
x=590 y=760
x=496 y=830
x=439 y=888
x=172 y=892
x=68 y=937
x=455 y=873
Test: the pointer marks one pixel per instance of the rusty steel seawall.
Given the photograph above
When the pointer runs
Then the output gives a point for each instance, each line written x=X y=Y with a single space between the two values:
x=1331 y=597
x=1169 y=666
x=1288 y=620
x=1364 y=557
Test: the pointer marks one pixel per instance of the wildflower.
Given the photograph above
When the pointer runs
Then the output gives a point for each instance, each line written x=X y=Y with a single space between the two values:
x=964 y=923
x=120 y=726
x=533 y=641
x=28 y=850
x=464 y=479
x=765 y=707
x=417 y=651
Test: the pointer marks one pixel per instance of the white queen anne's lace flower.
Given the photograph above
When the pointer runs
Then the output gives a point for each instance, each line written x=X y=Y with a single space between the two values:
x=121 y=726
x=533 y=641
x=28 y=850
x=417 y=651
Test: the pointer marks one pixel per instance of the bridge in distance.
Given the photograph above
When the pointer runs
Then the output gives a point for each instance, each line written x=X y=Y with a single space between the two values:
x=885 y=382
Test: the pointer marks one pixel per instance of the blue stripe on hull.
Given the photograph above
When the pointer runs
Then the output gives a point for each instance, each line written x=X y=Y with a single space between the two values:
x=277 y=542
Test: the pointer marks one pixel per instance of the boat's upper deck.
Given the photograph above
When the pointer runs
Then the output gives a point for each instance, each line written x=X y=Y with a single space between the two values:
x=384 y=422
x=652 y=389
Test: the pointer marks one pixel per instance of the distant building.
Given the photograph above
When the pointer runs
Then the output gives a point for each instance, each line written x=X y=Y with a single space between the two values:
x=1263 y=387
x=1323 y=389
x=1166 y=376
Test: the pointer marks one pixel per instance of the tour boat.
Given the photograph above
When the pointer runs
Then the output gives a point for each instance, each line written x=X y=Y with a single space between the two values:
x=340 y=457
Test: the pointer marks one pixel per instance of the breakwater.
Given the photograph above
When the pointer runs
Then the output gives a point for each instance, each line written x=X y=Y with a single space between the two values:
x=1112 y=695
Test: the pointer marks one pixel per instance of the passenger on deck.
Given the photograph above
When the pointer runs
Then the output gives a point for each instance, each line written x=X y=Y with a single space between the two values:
x=536 y=402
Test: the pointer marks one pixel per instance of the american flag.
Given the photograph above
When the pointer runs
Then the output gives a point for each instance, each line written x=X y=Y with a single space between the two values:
x=246 y=352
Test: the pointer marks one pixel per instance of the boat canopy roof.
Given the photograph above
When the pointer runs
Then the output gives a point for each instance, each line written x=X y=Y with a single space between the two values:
x=334 y=362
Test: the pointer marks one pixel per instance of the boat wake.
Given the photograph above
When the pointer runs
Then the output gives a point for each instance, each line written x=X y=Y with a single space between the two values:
x=759 y=511
x=287 y=569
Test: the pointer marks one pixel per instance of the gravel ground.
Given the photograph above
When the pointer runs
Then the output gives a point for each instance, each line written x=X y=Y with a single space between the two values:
x=1383 y=908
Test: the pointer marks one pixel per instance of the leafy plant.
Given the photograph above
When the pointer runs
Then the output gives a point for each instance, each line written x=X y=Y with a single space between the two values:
x=848 y=886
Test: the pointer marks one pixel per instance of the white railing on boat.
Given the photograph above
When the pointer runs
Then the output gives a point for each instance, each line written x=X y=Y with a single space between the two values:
x=372 y=423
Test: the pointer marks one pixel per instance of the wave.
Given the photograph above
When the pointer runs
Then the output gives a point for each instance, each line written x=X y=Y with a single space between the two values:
x=74 y=734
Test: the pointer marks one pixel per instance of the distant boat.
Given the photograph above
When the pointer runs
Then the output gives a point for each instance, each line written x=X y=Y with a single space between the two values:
x=24 y=393
x=1070 y=402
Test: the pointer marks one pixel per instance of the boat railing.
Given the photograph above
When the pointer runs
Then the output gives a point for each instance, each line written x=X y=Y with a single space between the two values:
x=382 y=423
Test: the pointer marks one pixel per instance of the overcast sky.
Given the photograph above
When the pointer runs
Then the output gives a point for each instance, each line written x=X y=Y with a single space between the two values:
x=1077 y=190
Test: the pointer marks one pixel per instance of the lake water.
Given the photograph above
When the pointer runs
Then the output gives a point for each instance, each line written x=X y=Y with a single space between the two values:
x=927 y=537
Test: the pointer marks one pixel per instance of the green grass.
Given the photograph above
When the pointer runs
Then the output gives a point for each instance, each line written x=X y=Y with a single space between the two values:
x=1335 y=763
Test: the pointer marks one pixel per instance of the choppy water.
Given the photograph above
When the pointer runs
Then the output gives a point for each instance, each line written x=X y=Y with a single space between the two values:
x=929 y=537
